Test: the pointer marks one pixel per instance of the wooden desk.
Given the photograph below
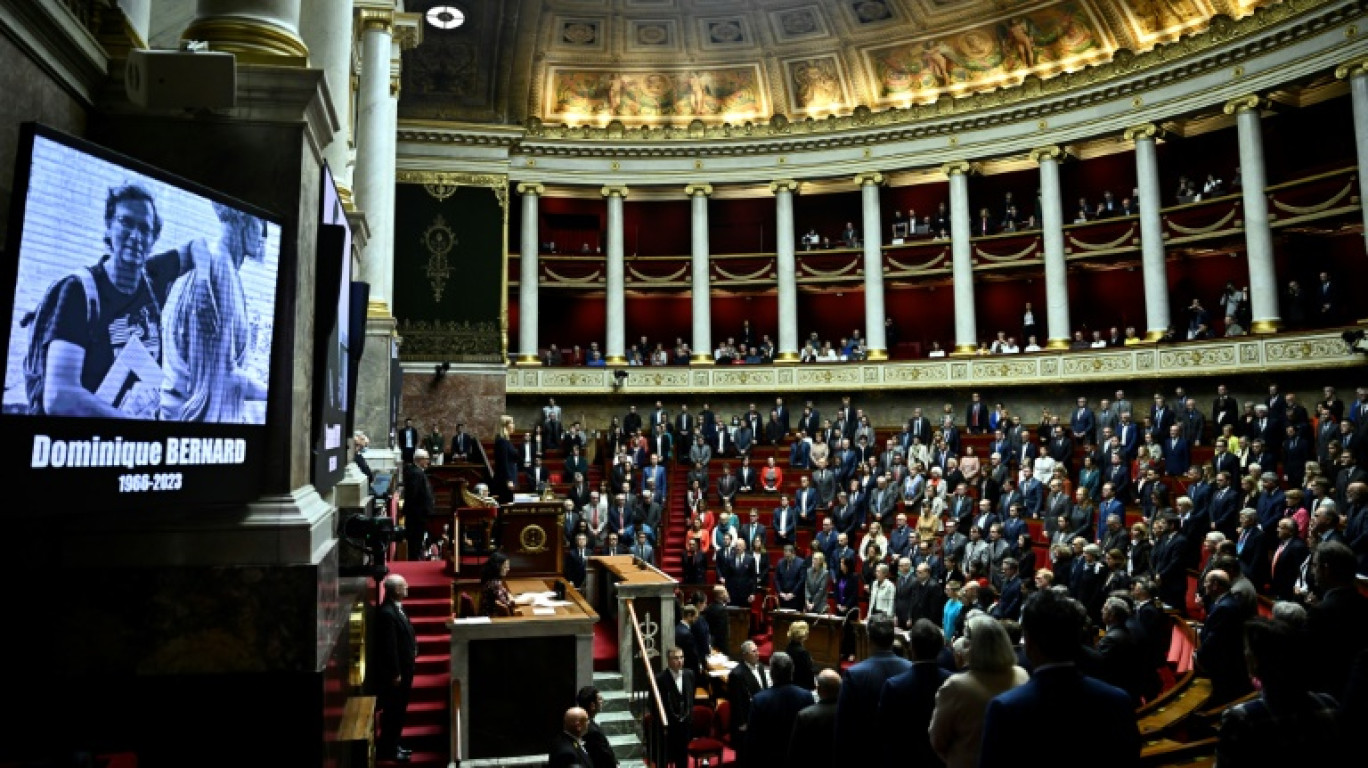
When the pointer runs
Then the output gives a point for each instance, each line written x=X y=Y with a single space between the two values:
x=517 y=673
x=616 y=578
x=824 y=636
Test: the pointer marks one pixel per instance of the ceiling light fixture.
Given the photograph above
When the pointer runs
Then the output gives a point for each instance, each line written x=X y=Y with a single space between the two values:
x=445 y=17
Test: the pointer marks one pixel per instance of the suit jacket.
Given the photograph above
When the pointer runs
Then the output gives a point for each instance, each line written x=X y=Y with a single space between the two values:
x=905 y=706
x=1009 y=602
x=1223 y=509
x=741 y=690
x=577 y=566
x=814 y=731
x=1177 y=456
x=1124 y=664
x=566 y=752
x=678 y=707
x=773 y=713
x=1286 y=565
x=1101 y=720
x=858 y=741
x=462 y=444
x=1221 y=653
x=395 y=648
x=596 y=744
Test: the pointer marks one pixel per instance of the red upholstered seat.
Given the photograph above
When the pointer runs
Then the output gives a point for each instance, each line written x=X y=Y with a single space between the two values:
x=723 y=721
x=703 y=744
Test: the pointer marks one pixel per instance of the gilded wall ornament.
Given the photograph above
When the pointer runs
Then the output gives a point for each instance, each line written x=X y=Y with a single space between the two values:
x=439 y=240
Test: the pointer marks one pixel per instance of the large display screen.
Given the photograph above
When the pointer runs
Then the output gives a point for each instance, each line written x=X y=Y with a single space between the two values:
x=332 y=328
x=138 y=359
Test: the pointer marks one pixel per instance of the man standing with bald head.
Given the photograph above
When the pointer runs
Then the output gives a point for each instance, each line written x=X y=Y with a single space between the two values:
x=393 y=655
x=814 y=731
x=567 y=747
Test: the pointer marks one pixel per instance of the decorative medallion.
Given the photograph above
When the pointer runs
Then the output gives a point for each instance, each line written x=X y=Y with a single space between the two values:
x=725 y=33
x=870 y=11
x=579 y=33
x=652 y=33
x=533 y=540
x=441 y=191
x=439 y=240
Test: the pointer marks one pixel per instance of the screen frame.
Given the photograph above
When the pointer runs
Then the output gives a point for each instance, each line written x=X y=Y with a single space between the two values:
x=213 y=485
x=332 y=283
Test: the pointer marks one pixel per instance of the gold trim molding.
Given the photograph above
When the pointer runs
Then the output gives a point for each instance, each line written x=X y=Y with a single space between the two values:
x=957 y=166
x=1143 y=131
x=1349 y=69
x=531 y=188
x=614 y=190
x=1052 y=152
x=785 y=185
x=696 y=190
x=252 y=41
x=873 y=178
x=1245 y=103
x=497 y=182
x=375 y=18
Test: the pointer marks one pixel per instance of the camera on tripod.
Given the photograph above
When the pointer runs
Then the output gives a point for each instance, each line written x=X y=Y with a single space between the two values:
x=371 y=534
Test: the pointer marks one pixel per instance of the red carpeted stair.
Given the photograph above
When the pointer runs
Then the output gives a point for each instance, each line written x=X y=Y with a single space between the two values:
x=676 y=521
x=426 y=730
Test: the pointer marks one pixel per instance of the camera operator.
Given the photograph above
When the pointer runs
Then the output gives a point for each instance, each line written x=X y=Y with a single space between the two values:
x=418 y=503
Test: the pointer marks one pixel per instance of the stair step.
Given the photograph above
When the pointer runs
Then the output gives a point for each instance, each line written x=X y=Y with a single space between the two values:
x=614 y=723
x=433 y=664
x=608 y=681
x=626 y=746
x=616 y=701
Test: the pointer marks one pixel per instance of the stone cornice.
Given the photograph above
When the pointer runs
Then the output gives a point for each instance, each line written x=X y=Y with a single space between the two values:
x=1287 y=352
x=58 y=43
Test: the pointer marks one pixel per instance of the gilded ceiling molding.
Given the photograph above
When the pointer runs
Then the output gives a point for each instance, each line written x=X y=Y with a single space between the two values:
x=1126 y=73
x=1145 y=131
x=1246 y=103
x=440 y=180
x=614 y=190
x=531 y=188
x=1053 y=152
x=1350 y=69
x=958 y=166
x=698 y=190
x=786 y=185
x=873 y=178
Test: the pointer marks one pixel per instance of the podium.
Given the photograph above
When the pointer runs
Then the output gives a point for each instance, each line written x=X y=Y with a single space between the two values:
x=825 y=632
x=532 y=535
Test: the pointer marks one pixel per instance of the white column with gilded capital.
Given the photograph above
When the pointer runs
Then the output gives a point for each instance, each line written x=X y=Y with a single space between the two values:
x=1052 y=229
x=1154 y=267
x=787 y=268
x=1357 y=74
x=375 y=151
x=702 y=288
x=962 y=258
x=528 y=275
x=255 y=31
x=1263 y=275
x=617 y=278
x=875 y=341
x=326 y=26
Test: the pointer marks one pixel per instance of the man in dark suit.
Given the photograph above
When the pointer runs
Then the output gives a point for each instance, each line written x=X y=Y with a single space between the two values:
x=1123 y=662
x=789 y=574
x=814 y=730
x=462 y=445
x=1221 y=652
x=1337 y=624
x=595 y=741
x=1224 y=410
x=744 y=681
x=772 y=715
x=418 y=502
x=577 y=561
x=1008 y=605
x=976 y=415
x=741 y=575
x=908 y=699
x=1166 y=562
x=858 y=742
x=695 y=563
x=1288 y=554
x=567 y=747
x=393 y=655
x=1101 y=718
x=1177 y=453
x=676 y=686
x=408 y=441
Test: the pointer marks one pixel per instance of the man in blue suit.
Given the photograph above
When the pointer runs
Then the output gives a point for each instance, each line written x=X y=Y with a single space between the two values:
x=1271 y=501
x=1032 y=494
x=858 y=740
x=1129 y=434
x=907 y=701
x=1101 y=718
x=805 y=500
x=1008 y=605
x=1177 y=453
x=1223 y=508
x=653 y=476
x=772 y=714
x=789 y=574
x=1082 y=422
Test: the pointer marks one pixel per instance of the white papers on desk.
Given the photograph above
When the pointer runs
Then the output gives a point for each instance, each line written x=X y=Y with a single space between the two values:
x=473 y=620
x=540 y=599
x=543 y=611
x=720 y=661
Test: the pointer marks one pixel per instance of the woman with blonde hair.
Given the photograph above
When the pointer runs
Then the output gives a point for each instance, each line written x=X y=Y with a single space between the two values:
x=817 y=585
x=957 y=721
x=505 y=460
x=803 y=675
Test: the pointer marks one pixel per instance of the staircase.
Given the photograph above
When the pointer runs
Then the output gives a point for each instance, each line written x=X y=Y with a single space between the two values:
x=426 y=729
x=676 y=521
x=617 y=721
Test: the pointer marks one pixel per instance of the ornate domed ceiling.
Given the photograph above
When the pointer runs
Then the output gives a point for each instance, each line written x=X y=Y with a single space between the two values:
x=651 y=62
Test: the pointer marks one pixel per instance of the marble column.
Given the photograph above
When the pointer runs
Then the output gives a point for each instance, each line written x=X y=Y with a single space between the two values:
x=1263 y=275
x=875 y=342
x=702 y=289
x=326 y=26
x=1052 y=229
x=529 y=273
x=617 y=278
x=375 y=152
x=1152 y=258
x=962 y=256
x=1357 y=74
x=256 y=31
x=786 y=267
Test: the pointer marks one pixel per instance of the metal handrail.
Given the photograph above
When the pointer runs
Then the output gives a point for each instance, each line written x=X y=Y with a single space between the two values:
x=640 y=643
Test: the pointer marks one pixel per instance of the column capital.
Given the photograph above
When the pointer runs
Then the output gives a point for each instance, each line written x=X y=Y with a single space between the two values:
x=872 y=178
x=1143 y=131
x=1245 y=103
x=614 y=190
x=531 y=188
x=408 y=30
x=785 y=185
x=252 y=40
x=1053 y=152
x=1351 y=68
x=375 y=18
x=396 y=85
x=699 y=190
x=958 y=166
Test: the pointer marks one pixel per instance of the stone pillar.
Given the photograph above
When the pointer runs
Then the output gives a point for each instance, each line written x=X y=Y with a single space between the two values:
x=702 y=289
x=876 y=344
x=617 y=279
x=375 y=150
x=1263 y=276
x=1056 y=268
x=1357 y=73
x=256 y=31
x=787 y=267
x=326 y=26
x=962 y=255
x=528 y=276
x=1151 y=230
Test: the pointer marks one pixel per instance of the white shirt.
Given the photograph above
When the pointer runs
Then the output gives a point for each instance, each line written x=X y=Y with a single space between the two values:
x=1032 y=347
x=1010 y=349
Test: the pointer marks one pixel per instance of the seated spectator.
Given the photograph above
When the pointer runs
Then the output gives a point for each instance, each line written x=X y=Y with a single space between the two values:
x=1233 y=327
